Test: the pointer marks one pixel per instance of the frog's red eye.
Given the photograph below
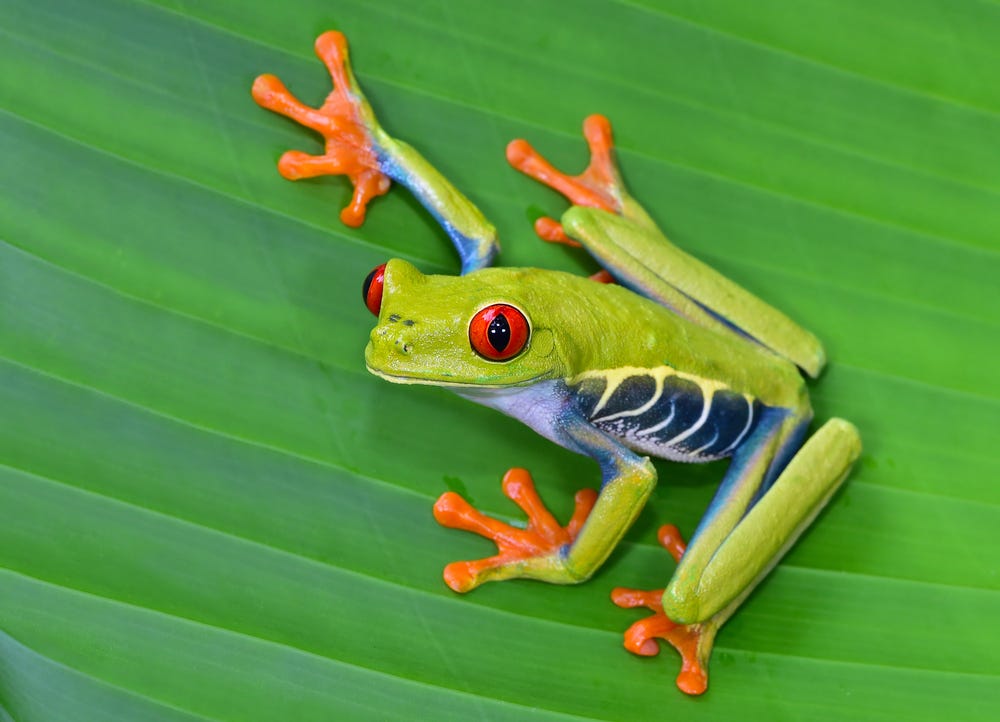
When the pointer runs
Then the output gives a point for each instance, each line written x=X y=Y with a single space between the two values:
x=498 y=332
x=371 y=289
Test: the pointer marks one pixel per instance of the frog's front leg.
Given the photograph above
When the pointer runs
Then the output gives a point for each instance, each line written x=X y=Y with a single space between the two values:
x=358 y=147
x=544 y=550
x=761 y=508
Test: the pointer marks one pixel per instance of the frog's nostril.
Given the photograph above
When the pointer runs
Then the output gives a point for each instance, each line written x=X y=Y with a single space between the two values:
x=402 y=346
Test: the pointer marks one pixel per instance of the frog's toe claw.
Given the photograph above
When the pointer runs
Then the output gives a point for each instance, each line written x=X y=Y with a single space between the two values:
x=639 y=638
x=532 y=551
x=344 y=120
x=692 y=641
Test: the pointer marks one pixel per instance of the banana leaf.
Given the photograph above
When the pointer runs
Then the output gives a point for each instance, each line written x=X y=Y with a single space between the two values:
x=210 y=511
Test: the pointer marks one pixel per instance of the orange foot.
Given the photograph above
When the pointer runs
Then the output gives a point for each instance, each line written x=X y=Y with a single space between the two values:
x=687 y=639
x=344 y=120
x=599 y=186
x=542 y=538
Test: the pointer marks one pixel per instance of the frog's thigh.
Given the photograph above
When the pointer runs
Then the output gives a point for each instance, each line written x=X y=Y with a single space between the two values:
x=770 y=528
x=629 y=251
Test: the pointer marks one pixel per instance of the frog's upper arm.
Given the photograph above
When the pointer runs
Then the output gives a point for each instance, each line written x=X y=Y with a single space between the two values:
x=644 y=260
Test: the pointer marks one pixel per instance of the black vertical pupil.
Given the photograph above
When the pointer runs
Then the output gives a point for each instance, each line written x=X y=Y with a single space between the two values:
x=498 y=332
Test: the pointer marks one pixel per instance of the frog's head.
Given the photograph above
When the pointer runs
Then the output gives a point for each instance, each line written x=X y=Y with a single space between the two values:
x=488 y=328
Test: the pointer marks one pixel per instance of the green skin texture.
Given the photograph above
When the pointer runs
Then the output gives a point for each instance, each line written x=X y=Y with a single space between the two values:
x=672 y=318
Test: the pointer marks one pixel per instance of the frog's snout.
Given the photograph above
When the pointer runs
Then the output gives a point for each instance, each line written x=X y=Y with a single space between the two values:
x=393 y=338
x=391 y=350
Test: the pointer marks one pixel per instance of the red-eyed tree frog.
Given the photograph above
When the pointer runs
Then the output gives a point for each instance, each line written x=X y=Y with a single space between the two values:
x=670 y=360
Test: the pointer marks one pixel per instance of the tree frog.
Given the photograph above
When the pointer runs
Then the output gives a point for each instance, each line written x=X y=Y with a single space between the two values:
x=659 y=355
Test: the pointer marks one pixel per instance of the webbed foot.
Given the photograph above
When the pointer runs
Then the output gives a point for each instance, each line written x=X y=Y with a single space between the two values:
x=598 y=186
x=692 y=641
x=534 y=551
x=344 y=120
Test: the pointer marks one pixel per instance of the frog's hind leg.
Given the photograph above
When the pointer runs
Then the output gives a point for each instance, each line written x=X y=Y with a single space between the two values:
x=608 y=222
x=621 y=236
x=598 y=186
x=726 y=560
x=747 y=529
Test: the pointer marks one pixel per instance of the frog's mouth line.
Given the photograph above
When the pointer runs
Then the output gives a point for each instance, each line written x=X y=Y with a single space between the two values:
x=400 y=379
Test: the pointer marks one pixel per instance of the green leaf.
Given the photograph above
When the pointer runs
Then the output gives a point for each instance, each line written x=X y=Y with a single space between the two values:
x=209 y=511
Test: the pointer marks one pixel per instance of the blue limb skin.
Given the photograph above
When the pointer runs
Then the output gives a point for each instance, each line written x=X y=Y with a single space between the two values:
x=358 y=147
